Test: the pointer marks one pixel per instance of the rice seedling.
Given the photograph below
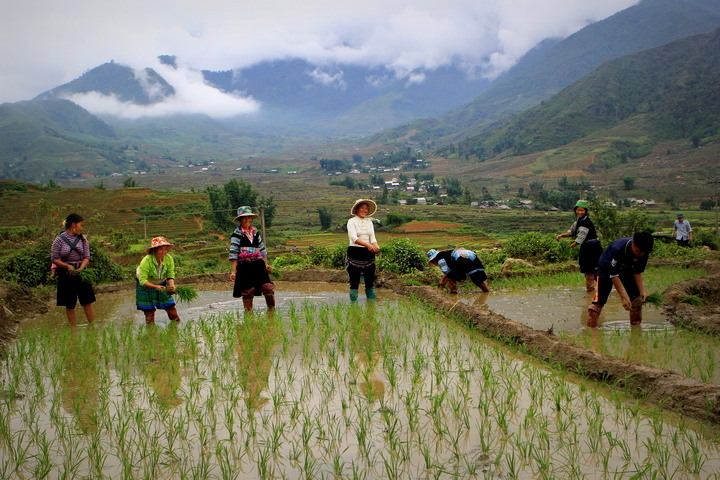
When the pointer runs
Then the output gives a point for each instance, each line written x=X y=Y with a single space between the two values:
x=185 y=293
x=655 y=299
x=88 y=275
x=288 y=398
x=693 y=300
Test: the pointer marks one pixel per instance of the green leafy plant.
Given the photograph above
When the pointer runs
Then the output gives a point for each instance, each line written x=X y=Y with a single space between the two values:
x=30 y=266
x=654 y=299
x=319 y=255
x=185 y=294
x=536 y=246
x=693 y=300
x=401 y=256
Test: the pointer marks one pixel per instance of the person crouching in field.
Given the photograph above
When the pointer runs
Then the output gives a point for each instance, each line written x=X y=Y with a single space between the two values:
x=621 y=266
x=70 y=253
x=155 y=283
x=248 y=256
x=584 y=235
x=457 y=265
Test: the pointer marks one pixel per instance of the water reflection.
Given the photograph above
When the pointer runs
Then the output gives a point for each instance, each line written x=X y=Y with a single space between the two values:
x=213 y=299
x=79 y=378
x=159 y=363
x=564 y=309
x=257 y=337
x=366 y=348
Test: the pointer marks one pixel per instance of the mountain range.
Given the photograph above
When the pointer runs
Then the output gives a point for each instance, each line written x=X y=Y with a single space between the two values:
x=302 y=103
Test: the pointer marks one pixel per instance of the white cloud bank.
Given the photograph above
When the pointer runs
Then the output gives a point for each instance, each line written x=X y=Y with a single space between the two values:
x=44 y=43
x=192 y=95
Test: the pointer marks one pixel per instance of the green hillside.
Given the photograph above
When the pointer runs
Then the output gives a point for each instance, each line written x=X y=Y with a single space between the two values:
x=673 y=88
x=55 y=137
x=554 y=65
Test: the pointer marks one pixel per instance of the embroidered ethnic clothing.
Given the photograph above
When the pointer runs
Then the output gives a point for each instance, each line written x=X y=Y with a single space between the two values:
x=590 y=248
x=461 y=263
x=246 y=245
x=251 y=277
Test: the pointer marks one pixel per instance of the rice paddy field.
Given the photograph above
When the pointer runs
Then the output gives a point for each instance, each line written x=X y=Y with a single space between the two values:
x=321 y=389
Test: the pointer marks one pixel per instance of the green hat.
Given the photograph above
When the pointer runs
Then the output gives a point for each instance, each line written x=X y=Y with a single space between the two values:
x=583 y=204
x=680 y=215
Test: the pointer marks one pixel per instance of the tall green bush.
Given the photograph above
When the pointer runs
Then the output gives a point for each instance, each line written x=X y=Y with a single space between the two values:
x=30 y=266
x=401 y=256
x=707 y=238
x=537 y=246
x=612 y=223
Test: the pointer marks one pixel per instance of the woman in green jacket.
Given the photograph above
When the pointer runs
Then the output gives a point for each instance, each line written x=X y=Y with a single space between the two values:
x=155 y=283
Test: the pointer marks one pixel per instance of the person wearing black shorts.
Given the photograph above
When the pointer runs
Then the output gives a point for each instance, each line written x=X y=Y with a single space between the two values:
x=70 y=253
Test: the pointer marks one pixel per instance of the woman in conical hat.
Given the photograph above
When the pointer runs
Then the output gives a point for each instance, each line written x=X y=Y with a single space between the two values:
x=155 y=281
x=360 y=259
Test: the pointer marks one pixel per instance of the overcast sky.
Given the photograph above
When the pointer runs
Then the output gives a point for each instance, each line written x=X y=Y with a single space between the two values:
x=45 y=43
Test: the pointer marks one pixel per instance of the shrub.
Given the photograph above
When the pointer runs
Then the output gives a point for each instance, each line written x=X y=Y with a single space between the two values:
x=288 y=260
x=337 y=256
x=672 y=251
x=536 y=246
x=401 y=256
x=396 y=219
x=30 y=266
x=319 y=256
x=612 y=223
x=707 y=238
x=491 y=258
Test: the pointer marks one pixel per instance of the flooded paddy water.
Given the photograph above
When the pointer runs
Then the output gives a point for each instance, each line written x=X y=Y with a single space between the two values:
x=320 y=389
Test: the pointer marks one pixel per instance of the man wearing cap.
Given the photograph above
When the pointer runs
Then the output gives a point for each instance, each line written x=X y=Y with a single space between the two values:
x=682 y=231
x=457 y=265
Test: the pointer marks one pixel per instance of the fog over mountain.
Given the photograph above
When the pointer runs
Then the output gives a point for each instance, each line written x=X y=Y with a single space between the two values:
x=46 y=43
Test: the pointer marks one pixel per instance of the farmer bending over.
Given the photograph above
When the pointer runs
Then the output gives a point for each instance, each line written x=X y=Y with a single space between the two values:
x=621 y=266
x=457 y=265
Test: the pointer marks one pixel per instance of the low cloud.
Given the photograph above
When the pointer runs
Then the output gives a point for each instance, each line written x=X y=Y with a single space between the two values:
x=192 y=96
x=46 y=43
x=329 y=79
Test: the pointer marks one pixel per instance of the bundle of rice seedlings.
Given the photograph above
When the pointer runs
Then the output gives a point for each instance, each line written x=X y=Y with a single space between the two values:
x=87 y=275
x=186 y=294
x=693 y=300
x=654 y=299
